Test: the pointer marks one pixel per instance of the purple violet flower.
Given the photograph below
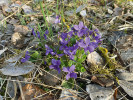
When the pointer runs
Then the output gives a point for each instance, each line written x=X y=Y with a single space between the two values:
x=27 y=57
x=33 y=32
x=79 y=27
x=46 y=32
x=70 y=71
x=87 y=45
x=49 y=50
x=38 y=35
x=57 y=20
x=55 y=65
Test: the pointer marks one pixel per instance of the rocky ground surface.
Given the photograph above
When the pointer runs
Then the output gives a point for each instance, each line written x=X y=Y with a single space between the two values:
x=109 y=69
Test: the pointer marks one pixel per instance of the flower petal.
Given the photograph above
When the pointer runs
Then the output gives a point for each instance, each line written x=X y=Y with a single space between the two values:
x=76 y=27
x=68 y=76
x=72 y=68
x=82 y=44
x=66 y=69
x=73 y=75
x=81 y=25
x=23 y=60
x=51 y=66
x=46 y=32
x=87 y=40
x=54 y=62
x=91 y=48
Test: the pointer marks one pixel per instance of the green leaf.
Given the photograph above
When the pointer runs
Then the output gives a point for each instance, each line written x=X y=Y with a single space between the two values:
x=36 y=55
x=83 y=69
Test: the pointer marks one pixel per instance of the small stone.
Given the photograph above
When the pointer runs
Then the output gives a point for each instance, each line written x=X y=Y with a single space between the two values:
x=27 y=9
x=110 y=11
x=16 y=37
x=83 y=13
x=94 y=58
x=117 y=11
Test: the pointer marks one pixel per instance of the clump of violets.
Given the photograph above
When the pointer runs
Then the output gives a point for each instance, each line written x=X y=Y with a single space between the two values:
x=72 y=49
x=26 y=58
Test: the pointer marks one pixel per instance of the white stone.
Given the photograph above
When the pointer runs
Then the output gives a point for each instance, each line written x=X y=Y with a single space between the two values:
x=83 y=13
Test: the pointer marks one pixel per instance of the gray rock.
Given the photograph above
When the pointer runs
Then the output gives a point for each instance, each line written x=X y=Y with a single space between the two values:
x=104 y=94
x=93 y=88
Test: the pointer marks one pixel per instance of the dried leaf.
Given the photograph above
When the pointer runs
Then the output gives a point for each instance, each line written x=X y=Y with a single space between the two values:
x=17 y=70
x=31 y=91
x=2 y=51
x=125 y=76
x=15 y=58
x=24 y=30
x=127 y=86
x=102 y=81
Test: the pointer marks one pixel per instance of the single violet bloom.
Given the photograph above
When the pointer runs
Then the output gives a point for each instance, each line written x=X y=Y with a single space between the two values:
x=49 y=50
x=57 y=20
x=79 y=27
x=26 y=58
x=46 y=32
x=33 y=32
x=70 y=71
x=55 y=65
x=87 y=45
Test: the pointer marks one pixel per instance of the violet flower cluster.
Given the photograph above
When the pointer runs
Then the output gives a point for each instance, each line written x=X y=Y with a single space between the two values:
x=80 y=37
